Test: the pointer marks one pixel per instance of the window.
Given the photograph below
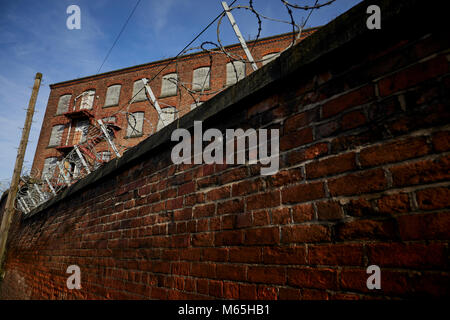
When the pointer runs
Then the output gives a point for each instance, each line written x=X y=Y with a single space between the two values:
x=269 y=57
x=139 y=87
x=235 y=72
x=167 y=116
x=56 y=135
x=112 y=95
x=201 y=79
x=63 y=104
x=109 y=119
x=81 y=130
x=105 y=156
x=169 y=85
x=49 y=166
x=87 y=100
x=135 y=124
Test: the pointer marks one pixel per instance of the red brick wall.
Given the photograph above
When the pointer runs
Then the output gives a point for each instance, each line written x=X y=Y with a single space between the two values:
x=364 y=176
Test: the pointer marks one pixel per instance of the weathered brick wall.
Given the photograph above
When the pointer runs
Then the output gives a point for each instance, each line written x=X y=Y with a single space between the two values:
x=364 y=175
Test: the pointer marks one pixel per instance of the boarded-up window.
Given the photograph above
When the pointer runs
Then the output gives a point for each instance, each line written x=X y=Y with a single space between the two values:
x=63 y=104
x=55 y=137
x=109 y=119
x=201 y=79
x=269 y=57
x=112 y=95
x=105 y=156
x=169 y=85
x=167 y=116
x=49 y=166
x=139 y=91
x=135 y=124
x=81 y=130
x=235 y=72
x=87 y=100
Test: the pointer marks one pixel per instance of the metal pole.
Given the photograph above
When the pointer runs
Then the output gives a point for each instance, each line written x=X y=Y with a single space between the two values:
x=9 y=208
x=239 y=35
x=110 y=142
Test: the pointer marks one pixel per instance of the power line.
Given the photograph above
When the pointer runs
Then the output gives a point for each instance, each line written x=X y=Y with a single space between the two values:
x=118 y=36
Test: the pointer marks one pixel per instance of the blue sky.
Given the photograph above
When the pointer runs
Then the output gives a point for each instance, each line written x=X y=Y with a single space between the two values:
x=34 y=38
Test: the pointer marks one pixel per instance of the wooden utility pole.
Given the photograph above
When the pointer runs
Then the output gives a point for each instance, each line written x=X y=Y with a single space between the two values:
x=9 y=208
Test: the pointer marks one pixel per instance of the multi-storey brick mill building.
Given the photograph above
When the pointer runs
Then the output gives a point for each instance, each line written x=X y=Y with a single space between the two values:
x=114 y=96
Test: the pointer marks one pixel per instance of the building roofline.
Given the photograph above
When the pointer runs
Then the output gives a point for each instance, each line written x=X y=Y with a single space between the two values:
x=158 y=62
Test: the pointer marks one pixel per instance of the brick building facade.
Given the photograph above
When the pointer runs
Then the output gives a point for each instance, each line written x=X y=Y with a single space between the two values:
x=75 y=104
x=364 y=180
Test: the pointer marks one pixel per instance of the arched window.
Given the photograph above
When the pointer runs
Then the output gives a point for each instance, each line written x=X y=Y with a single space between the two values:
x=135 y=124
x=235 y=72
x=169 y=85
x=139 y=91
x=112 y=95
x=63 y=104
